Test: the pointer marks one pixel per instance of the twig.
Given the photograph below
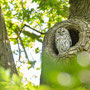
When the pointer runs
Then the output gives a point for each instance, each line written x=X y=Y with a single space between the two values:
x=19 y=50
x=23 y=48
x=32 y=28
x=18 y=36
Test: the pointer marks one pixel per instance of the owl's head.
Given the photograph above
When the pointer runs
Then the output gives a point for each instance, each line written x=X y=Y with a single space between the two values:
x=62 y=31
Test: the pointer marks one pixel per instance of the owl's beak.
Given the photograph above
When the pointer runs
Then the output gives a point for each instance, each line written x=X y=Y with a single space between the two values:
x=61 y=34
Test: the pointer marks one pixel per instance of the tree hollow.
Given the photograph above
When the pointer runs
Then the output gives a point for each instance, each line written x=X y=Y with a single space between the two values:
x=79 y=32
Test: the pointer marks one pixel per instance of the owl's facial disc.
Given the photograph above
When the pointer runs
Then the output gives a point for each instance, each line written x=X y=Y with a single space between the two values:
x=64 y=31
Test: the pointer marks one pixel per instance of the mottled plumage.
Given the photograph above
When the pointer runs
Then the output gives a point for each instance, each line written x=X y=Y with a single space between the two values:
x=62 y=40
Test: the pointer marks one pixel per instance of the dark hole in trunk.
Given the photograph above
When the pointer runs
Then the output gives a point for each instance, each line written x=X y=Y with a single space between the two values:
x=74 y=34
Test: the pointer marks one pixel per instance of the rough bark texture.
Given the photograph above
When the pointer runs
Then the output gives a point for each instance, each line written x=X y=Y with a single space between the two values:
x=78 y=26
x=6 y=57
x=80 y=8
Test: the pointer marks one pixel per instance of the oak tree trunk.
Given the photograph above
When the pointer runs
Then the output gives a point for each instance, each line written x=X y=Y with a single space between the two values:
x=6 y=57
x=78 y=25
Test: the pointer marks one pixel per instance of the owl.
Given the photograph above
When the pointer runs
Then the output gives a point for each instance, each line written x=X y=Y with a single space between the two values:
x=62 y=40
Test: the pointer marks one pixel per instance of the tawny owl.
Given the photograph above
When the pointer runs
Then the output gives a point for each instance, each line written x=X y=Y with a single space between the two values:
x=62 y=40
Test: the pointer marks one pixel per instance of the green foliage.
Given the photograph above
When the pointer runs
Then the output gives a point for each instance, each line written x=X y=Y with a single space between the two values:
x=18 y=12
x=37 y=50
x=40 y=15
x=70 y=74
x=9 y=83
x=14 y=82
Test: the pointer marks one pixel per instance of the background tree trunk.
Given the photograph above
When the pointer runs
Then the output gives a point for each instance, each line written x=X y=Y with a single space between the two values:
x=78 y=26
x=6 y=57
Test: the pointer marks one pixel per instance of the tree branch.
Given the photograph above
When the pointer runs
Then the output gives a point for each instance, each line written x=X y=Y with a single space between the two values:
x=23 y=47
x=19 y=49
x=32 y=28
x=18 y=36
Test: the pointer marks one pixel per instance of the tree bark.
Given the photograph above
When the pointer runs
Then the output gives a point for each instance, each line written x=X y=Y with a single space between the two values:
x=78 y=25
x=6 y=57
x=80 y=8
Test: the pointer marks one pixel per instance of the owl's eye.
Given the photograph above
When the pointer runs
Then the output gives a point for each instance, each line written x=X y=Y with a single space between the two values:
x=63 y=31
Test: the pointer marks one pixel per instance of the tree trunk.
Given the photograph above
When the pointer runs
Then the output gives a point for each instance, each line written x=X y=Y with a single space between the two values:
x=6 y=57
x=78 y=26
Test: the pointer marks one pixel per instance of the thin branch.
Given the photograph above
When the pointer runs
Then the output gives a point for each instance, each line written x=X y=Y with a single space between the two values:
x=23 y=47
x=18 y=36
x=32 y=28
x=19 y=50
x=25 y=25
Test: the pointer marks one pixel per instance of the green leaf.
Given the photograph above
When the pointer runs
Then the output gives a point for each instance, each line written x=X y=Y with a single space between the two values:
x=32 y=63
x=37 y=50
x=37 y=68
x=16 y=80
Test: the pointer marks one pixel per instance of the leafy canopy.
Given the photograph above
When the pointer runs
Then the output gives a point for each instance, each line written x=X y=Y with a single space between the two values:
x=29 y=20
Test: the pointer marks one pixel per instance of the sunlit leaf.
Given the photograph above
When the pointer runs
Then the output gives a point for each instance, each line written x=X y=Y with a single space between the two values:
x=37 y=50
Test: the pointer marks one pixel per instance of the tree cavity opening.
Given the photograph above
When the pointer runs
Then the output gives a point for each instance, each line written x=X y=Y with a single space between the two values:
x=74 y=34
